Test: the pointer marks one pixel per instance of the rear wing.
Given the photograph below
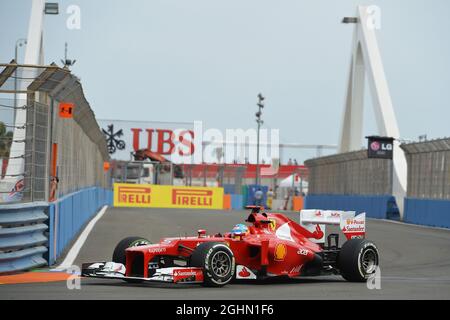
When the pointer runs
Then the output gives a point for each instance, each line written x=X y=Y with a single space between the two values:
x=353 y=226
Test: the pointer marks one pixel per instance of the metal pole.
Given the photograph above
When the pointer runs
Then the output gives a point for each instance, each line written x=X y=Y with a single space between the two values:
x=257 y=155
x=301 y=186
x=259 y=121
x=15 y=88
x=33 y=151
x=19 y=42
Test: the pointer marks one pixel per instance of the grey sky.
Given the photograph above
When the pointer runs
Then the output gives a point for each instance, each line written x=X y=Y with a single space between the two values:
x=185 y=60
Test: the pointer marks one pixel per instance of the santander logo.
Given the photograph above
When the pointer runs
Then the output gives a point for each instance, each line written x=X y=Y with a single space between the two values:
x=318 y=233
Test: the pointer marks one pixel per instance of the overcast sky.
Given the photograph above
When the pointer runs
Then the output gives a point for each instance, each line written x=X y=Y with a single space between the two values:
x=186 y=60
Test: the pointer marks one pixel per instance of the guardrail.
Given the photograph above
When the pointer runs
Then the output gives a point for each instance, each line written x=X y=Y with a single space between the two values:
x=375 y=206
x=428 y=212
x=37 y=233
x=68 y=216
x=23 y=240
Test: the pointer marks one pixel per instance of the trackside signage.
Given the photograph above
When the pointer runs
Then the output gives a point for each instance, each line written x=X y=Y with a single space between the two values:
x=380 y=147
x=192 y=197
x=133 y=194
x=159 y=196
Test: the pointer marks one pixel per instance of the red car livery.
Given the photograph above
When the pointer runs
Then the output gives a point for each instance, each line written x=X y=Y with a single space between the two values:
x=273 y=245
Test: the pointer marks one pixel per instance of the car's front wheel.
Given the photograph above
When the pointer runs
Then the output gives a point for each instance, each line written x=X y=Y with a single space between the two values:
x=119 y=255
x=358 y=260
x=217 y=261
x=119 y=252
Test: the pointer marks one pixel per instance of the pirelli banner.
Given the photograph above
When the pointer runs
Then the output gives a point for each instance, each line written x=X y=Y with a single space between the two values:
x=160 y=196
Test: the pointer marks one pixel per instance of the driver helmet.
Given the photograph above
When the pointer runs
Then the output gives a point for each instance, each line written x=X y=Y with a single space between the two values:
x=239 y=230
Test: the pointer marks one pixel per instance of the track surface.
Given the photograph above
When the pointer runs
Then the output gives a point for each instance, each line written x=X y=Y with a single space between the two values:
x=415 y=262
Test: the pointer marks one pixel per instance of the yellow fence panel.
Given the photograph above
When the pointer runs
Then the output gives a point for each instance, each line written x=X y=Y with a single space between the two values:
x=161 y=196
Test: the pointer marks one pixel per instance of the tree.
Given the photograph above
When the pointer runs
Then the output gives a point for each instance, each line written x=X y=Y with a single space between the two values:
x=5 y=141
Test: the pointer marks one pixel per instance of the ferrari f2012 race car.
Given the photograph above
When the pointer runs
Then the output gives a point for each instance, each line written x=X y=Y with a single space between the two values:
x=271 y=245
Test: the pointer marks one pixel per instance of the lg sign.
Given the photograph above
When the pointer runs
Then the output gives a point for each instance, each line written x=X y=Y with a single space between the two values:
x=376 y=146
x=380 y=147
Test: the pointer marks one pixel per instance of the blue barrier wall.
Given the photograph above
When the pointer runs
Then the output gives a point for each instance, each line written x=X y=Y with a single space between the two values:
x=375 y=206
x=69 y=214
x=429 y=212
x=237 y=201
x=23 y=240
x=228 y=188
x=252 y=188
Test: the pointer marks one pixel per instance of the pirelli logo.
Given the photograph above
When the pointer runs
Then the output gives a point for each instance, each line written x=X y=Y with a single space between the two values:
x=134 y=195
x=167 y=196
x=192 y=197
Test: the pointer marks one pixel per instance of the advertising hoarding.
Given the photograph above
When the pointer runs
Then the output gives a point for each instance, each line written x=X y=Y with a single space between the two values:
x=173 y=140
x=380 y=147
x=165 y=196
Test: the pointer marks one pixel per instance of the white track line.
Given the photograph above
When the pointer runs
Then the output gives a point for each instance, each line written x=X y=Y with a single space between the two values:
x=73 y=252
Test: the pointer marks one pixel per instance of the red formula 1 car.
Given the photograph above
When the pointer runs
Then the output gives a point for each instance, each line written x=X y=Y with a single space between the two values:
x=273 y=245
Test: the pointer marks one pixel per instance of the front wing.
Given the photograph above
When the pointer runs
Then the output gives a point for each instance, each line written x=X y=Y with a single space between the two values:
x=112 y=270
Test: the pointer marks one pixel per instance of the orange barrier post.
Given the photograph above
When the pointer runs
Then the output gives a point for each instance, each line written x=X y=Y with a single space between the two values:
x=297 y=203
x=227 y=201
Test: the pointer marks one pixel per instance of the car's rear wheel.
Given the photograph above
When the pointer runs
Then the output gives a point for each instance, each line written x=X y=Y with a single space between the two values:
x=358 y=260
x=119 y=255
x=217 y=261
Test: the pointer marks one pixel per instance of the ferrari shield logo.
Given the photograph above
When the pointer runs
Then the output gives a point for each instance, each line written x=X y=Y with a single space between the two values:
x=273 y=224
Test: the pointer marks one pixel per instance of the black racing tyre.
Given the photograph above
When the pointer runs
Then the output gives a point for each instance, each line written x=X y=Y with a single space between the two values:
x=119 y=252
x=119 y=255
x=217 y=261
x=358 y=259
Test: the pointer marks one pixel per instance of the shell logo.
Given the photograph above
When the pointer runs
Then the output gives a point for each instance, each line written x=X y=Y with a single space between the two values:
x=280 y=252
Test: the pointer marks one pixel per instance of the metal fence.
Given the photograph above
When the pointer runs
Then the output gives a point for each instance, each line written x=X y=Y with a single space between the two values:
x=168 y=173
x=230 y=176
x=81 y=151
x=349 y=174
x=36 y=169
x=428 y=169
x=147 y=172
x=60 y=155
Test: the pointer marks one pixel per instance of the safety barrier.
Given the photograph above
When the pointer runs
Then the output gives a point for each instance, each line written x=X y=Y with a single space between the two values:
x=429 y=212
x=237 y=201
x=23 y=237
x=37 y=233
x=249 y=198
x=69 y=214
x=279 y=204
x=376 y=206
x=297 y=203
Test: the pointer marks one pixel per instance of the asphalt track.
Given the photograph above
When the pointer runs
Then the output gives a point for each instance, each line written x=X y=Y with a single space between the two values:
x=415 y=263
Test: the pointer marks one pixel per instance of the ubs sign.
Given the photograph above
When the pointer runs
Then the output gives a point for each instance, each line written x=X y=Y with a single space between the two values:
x=380 y=147
x=176 y=141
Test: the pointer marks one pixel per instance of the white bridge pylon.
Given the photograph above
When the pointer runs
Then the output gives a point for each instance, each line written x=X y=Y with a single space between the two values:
x=366 y=61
